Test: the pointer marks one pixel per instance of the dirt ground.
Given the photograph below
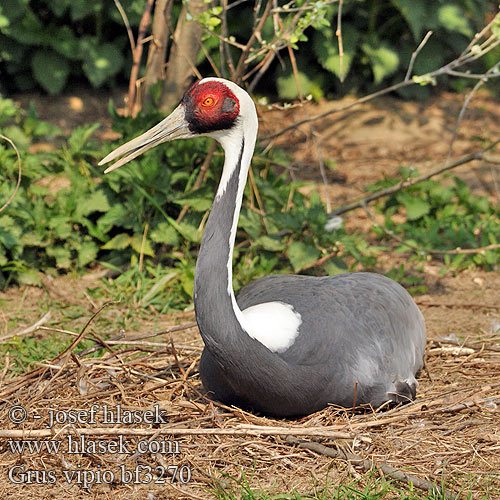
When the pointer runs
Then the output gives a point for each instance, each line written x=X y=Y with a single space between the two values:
x=451 y=434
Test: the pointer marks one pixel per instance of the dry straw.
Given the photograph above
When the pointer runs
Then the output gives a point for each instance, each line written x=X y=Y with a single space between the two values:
x=450 y=434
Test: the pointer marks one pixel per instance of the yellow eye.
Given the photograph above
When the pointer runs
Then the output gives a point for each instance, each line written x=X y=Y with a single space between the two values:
x=208 y=101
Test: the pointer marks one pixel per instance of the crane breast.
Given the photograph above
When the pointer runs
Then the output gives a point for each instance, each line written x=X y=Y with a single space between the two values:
x=274 y=324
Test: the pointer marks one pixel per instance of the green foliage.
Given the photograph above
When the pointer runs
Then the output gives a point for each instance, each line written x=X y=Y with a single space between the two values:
x=50 y=70
x=379 y=38
x=68 y=216
x=288 y=86
x=368 y=487
x=443 y=216
x=384 y=59
x=61 y=40
x=48 y=44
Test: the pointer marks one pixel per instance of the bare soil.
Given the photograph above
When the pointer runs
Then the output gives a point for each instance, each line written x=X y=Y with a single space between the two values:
x=451 y=434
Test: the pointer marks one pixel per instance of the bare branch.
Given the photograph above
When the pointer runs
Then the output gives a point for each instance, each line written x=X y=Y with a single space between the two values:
x=127 y=24
x=338 y=33
x=137 y=54
x=367 y=465
x=239 y=430
x=28 y=330
x=158 y=46
x=466 y=104
x=478 y=155
x=19 y=173
x=238 y=72
x=425 y=250
x=415 y=54
x=466 y=57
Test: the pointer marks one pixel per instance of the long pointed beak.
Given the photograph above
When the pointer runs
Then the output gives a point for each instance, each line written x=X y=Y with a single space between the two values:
x=173 y=127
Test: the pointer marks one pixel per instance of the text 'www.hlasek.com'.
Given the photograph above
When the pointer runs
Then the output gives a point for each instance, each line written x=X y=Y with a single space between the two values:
x=75 y=434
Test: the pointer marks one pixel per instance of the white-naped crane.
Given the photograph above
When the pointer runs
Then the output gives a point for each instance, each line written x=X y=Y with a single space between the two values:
x=287 y=345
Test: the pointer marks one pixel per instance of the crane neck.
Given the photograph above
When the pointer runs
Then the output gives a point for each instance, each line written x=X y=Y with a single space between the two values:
x=248 y=365
x=218 y=315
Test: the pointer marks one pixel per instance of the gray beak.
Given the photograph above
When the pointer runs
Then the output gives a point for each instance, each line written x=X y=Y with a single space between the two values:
x=173 y=127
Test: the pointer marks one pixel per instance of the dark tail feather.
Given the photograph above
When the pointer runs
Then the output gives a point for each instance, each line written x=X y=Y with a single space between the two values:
x=404 y=392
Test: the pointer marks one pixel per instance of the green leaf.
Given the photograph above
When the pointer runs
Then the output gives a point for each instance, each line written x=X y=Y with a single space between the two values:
x=442 y=194
x=157 y=288
x=384 y=60
x=17 y=136
x=29 y=30
x=50 y=70
x=326 y=49
x=200 y=200
x=453 y=18
x=250 y=221
x=335 y=266
x=65 y=43
x=32 y=240
x=29 y=278
x=62 y=256
x=87 y=253
x=96 y=202
x=415 y=207
x=80 y=136
x=119 y=242
x=301 y=255
x=186 y=230
x=83 y=8
x=117 y=215
x=164 y=233
x=8 y=110
x=424 y=79
x=287 y=86
x=271 y=243
x=141 y=245
x=414 y=13
x=101 y=63
x=61 y=225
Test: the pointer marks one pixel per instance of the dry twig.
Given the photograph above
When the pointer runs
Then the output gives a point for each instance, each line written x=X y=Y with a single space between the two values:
x=137 y=55
x=19 y=173
x=478 y=155
x=367 y=465
x=241 y=430
x=27 y=330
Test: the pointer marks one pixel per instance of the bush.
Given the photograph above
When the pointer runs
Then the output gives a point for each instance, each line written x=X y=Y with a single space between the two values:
x=51 y=42
x=378 y=40
x=68 y=216
x=47 y=43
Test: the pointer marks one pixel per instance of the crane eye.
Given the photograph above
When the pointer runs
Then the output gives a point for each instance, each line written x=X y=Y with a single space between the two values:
x=208 y=101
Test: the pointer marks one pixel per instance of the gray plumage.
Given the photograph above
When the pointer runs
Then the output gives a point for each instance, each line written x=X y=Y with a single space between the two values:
x=286 y=345
x=361 y=340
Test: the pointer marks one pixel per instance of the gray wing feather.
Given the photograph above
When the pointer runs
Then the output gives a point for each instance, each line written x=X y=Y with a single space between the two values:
x=356 y=327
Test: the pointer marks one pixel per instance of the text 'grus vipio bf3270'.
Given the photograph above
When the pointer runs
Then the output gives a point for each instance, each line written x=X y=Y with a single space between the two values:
x=286 y=345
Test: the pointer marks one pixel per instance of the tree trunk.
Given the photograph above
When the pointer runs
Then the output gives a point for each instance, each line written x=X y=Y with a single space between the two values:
x=182 y=60
x=157 y=47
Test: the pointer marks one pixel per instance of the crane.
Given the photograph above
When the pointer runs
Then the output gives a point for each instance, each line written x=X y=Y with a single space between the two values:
x=286 y=345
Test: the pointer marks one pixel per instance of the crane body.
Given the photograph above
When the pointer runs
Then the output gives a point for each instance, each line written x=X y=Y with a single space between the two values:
x=287 y=345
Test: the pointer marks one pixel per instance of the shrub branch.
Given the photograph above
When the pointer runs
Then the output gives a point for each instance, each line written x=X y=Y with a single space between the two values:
x=478 y=155
x=19 y=173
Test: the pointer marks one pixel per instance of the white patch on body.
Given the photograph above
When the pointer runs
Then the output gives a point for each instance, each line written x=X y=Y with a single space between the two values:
x=274 y=324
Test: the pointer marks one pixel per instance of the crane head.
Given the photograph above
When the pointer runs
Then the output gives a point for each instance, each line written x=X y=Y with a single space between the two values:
x=208 y=106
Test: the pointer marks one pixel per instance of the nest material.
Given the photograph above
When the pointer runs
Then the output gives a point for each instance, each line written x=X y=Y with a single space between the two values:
x=450 y=435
